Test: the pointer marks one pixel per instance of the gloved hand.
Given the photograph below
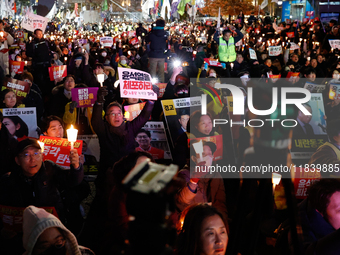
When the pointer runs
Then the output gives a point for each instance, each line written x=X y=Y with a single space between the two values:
x=155 y=89
x=72 y=106
x=102 y=92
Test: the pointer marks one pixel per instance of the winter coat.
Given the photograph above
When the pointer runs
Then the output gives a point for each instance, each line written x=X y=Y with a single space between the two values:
x=157 y=39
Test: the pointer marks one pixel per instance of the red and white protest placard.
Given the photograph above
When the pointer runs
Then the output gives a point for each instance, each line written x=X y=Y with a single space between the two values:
x=20 y=34
x=292 y=77
x=294 y=46
x=275 y=77
x=21 y=88
x=212 y=62
x=106 y=41
x=135 y=84
x=57 y=72
x=132 y=33
x=303 y=179
x=208 y=22
x=334 y=43
x=16 y=66
x=32 y=21
x=134 y=41
x=58 y=150
x=162 y=87
x=290 y=34
x=334 y=91
x=274 y=50
x=22 y=46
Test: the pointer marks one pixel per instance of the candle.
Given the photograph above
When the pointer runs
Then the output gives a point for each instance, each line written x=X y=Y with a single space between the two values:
x=232 y=66
x=41 y=146
x=25 y=63
x=100 y=78
x=276 y=178
x=65 y=59
x=72 y=135
x=198 y=147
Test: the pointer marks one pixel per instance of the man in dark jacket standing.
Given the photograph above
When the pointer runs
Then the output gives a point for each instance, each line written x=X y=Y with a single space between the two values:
x=157 y=39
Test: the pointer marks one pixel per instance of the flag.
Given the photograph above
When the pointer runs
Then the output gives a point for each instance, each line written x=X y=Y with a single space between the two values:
x=181 y=6
x=52 y=12
x=264 y=4
x=76 y=9
x=166 y=4
x=105 y=7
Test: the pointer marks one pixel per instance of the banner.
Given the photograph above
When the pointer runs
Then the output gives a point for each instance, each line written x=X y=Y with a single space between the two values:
x=90 y=154
x=309 y=133
x=21 y=122
x=157 y=145
x=274 y=50
x=21 y=88
x=294 y=46
x=85 y=97
x=12 y=217
x=212 y=62
x=106 y=41
x=177 y=114
x=58 y=150
x=252 y=54
x=133 y=110
x=335 y=43
x=16 y=66
x=314 y=88
x=56 y=72
x=32 y=21
x=135 y=84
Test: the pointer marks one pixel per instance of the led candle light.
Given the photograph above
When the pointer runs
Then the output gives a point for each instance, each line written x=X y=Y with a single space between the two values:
x=198 y=147
x=100 y=78
x=276 y=178
x=72 y=135
x=41 y=146
x=65 y=59
x=232 y=66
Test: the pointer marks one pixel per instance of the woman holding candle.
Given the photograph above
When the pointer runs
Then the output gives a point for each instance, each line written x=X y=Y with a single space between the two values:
x=5 y=41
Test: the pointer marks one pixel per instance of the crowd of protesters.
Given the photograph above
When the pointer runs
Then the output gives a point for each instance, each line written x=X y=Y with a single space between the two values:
x=195 y=214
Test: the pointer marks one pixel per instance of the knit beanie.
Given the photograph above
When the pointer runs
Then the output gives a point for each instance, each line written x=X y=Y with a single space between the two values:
x=36 y=221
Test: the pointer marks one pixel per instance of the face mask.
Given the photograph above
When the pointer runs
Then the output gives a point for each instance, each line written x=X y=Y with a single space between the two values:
x=123 y=62
x=16 y=52
x=104 y=54
x=53 y=250
x=336 y=76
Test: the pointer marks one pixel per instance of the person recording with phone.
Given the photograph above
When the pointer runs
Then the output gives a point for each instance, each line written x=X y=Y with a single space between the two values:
x=5 y=41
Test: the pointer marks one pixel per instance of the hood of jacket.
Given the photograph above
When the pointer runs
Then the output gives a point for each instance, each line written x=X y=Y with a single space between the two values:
x=36 y=221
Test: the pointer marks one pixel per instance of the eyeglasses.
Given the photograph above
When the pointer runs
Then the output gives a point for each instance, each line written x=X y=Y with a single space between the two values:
x=115 y=114
x=28 y=156
x=142 y=136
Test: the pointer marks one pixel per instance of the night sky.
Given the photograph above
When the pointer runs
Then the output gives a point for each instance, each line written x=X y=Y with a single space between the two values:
x=44 y=7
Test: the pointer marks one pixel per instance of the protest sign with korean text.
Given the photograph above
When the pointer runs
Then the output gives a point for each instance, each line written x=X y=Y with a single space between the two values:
x=310 y=132
x=314 y=88
x=292 y=76
x=90 y=152
x=157 y=145
x=334 y=43
x=212 y=62
x=106 y=41
x=177 y=114
x=162 y=87
x=56 y=72
x=21 y=88
x=252 y=54
x=132 y=33
x=85 y=97
x=303 y=178
x=58 y=150
x=274 y=50
x=16 y=66
x=294 y=46
x=26 y=117
x=32 y=22
x=135 y=84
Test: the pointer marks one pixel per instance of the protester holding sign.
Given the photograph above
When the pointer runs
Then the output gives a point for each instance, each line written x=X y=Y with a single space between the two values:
x=5 y=41
x=116 y=137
